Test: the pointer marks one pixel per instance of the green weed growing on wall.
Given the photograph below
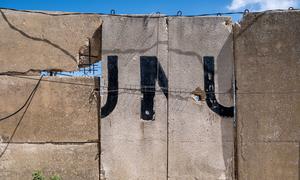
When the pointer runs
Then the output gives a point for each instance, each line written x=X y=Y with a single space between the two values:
x=38 y=175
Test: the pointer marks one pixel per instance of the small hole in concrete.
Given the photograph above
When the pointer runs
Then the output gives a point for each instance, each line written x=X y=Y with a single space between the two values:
x=198 y=94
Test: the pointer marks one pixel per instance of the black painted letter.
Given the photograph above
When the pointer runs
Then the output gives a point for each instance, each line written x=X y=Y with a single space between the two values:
x=112 y=76
x=209 y=86
x=151 y=70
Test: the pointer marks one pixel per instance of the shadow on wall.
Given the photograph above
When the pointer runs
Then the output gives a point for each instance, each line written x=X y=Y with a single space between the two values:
x=224 y=84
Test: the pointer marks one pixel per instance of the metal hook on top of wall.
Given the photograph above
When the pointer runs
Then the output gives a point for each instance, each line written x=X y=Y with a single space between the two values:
x=179 y=13
x=246 y=11
x=291 y=8
x=219 y=14
x=112 y=12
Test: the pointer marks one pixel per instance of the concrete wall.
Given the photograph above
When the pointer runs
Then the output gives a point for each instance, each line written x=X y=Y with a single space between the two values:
x=132 y=148
x=167 y=97
x=70 y=161
x=200 y=140
x=58 y=132
x=47 y=41
x=268 y=101
x=185 y=139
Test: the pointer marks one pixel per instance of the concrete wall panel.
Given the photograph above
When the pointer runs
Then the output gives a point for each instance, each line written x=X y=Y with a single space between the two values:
x=182 y=66
x=38 y=42
x=269 y=160
x=60 y=111
x=268 y=101
x=133 y=148
x=200 y=141
x=74 y=162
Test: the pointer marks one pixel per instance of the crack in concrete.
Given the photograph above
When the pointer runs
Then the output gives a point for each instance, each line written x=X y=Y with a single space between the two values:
x=241 y=141
x=36 y=38
x=28 y=72
x=131 y=51
x=136 y=51
x=188 y=53
x=31 y=72
x=242 y=30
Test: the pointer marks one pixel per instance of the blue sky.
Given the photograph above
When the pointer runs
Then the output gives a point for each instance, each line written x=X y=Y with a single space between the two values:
x=122 y=6
x=170 y=7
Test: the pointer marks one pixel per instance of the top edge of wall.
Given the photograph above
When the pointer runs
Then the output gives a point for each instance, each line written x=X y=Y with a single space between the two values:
x=252 y=15
x=152 y=15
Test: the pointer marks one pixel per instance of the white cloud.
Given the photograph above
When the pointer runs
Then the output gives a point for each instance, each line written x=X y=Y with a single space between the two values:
x=263 y=4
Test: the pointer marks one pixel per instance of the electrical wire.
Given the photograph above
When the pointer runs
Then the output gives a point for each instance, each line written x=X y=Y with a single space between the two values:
x=130 y=89
x=157 y=14
x=26 y=102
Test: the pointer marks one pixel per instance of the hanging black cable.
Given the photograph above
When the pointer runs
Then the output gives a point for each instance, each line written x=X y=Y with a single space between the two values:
x=28 y=99
x=20 y=120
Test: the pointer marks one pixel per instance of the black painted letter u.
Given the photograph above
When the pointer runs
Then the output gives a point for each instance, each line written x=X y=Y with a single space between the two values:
x=209 y=86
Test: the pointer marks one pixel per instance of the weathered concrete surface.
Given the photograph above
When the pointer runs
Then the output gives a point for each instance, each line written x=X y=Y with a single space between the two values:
x=39 y=42
x=269 y=160
x=132 y=148
x=60 y=110
x=200 y=141
x=268 y=100
x=74 y=162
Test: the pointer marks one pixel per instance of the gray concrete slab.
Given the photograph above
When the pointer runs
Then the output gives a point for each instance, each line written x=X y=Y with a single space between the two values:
x=200 y=140
x=62 y=109
x=274 y=118
x=31 y=41
x=268 y=52
x=75 y=162
x=269 y=160
x=268 y=101
x=133 y=148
